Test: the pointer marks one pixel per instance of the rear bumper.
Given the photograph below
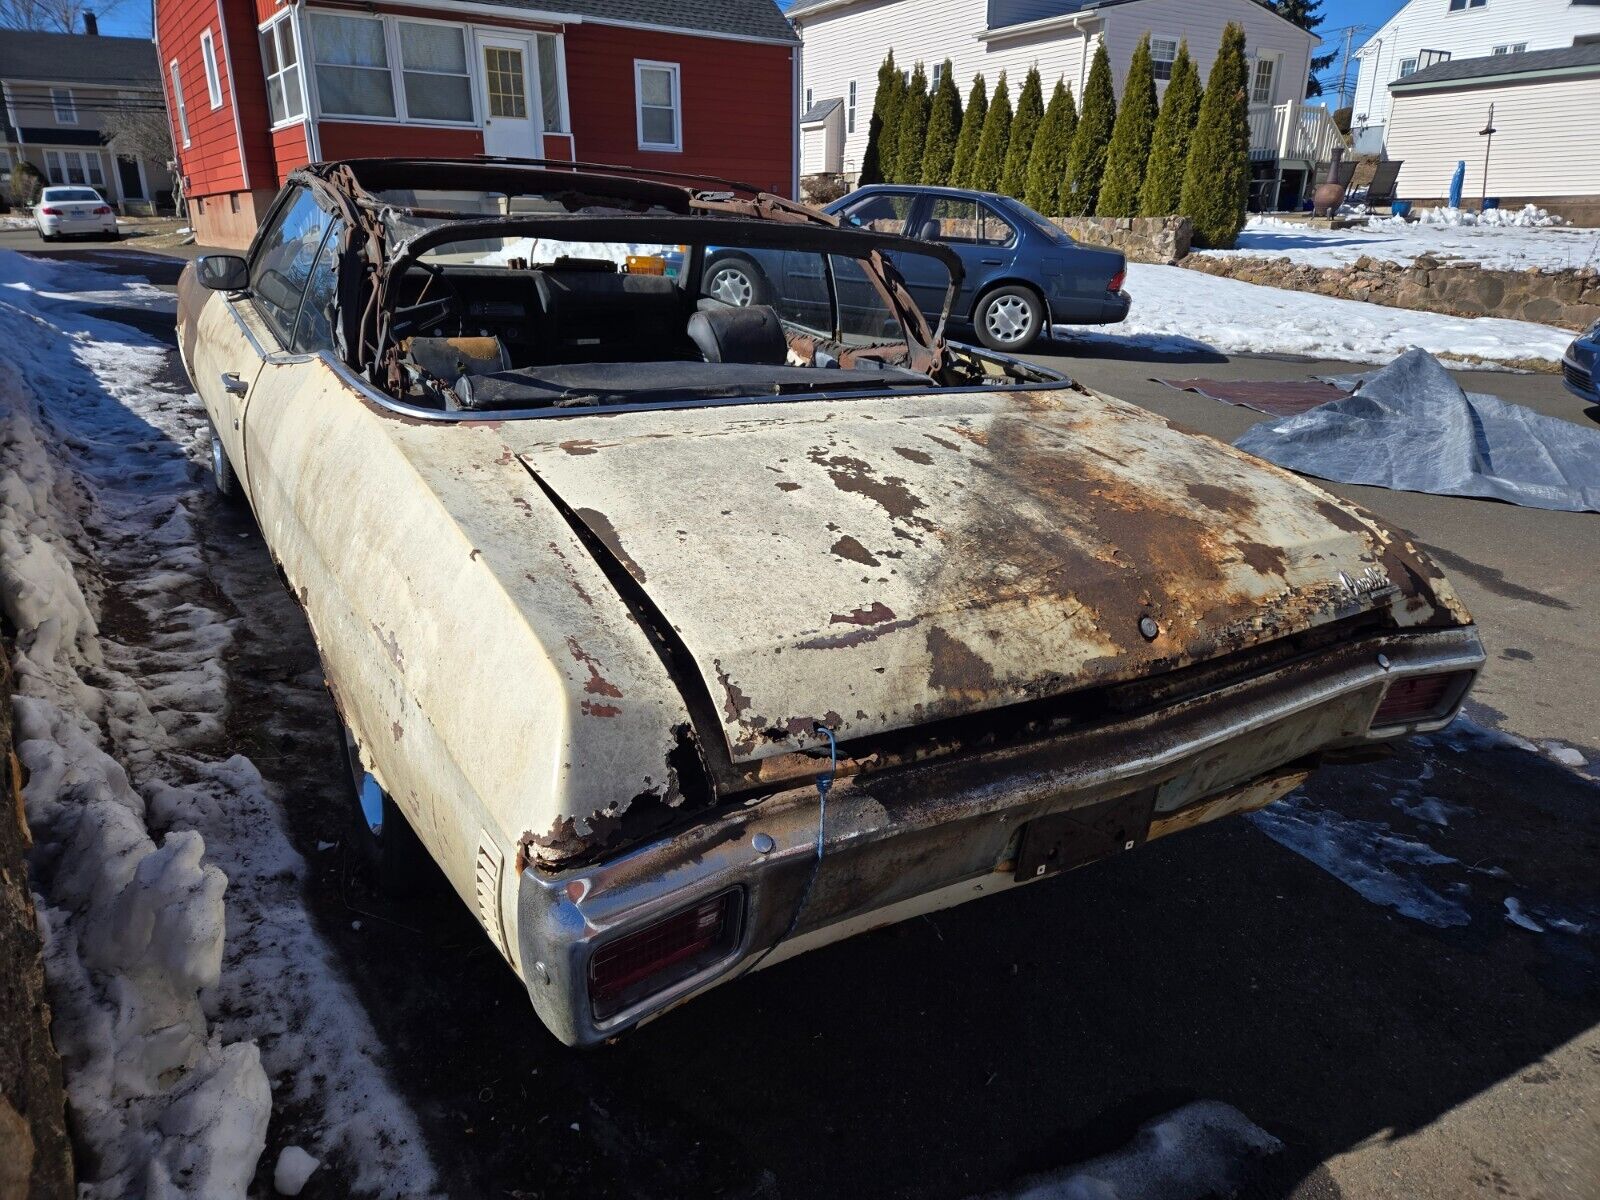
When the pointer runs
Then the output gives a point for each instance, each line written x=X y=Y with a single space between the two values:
x=935 y=835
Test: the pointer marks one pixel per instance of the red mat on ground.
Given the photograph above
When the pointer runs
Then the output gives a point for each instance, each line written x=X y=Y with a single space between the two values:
x=1274 y=397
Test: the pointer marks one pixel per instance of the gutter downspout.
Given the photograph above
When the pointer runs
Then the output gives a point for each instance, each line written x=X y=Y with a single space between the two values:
x=794 y=123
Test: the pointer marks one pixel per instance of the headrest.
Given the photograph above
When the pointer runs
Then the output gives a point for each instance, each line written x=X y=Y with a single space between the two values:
x=753 y=334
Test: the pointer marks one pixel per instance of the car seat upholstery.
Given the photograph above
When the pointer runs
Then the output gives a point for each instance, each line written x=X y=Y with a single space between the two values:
x=752 y=334
x=603 y=316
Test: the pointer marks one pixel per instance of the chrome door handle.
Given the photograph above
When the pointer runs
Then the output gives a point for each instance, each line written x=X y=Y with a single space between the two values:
x=233 y=385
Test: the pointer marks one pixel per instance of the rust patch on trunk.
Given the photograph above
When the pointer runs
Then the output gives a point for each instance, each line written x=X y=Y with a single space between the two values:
x=921 y=457
x=597 y=684
x=848 y=547
x=606 y=532
x=956 y=669
x=856 y=637
x=875 y=613
x=391 y=646
x=857 y=476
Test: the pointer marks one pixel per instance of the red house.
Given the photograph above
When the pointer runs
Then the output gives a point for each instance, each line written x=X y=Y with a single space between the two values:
x=256 y=88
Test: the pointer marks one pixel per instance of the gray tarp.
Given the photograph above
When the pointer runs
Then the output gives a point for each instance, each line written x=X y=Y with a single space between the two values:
x=1411 y=427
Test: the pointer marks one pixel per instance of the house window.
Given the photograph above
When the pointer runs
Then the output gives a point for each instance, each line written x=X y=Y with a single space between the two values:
x=178 y=105
x=655 y=86
x=208 y=55
x=1428 y=58
x=1513 y=48
x=809 y=100
x=66 y=107
x=74 y=166
x=550 y=89
x=1163 y=53
x=1408 y=66
x=280 y=55
x=1261 y=81
x=1459 y=5
x=350 y=57
x=850 y=110
x=938 y=71
x=433 y=71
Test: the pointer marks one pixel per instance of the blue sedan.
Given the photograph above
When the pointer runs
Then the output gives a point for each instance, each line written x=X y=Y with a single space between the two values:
x=1580 y=366
x=1021 y=274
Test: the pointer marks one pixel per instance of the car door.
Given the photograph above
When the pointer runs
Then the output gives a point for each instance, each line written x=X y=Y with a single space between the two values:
x=984 y=241
x=238 y=331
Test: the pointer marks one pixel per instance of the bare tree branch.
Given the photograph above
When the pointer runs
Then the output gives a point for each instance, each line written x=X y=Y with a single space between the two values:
x=52 y=16
x=140 y=133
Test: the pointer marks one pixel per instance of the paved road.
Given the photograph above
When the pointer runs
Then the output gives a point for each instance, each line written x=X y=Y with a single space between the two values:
x=1392 y=1056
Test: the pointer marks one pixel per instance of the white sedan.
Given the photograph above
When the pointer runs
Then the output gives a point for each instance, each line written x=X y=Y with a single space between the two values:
x=68 y=211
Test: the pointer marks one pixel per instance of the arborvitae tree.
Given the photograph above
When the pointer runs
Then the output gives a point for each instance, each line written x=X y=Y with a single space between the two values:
x=944 y=130
x=972 y=122
x=1086 y=165
x=1169 y=145
x=1024 y=129
x=912 y=131
x=1047 y=162
x=877 y=158
x=989 y=159
x=1130 y=138
x=1216 y=182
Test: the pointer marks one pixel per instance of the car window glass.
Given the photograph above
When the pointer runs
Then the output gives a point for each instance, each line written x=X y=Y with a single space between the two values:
x=966 y=223
x=314 y=331
x=283 y=260
x=881 y=212
x=65 y=194
x=864 y=316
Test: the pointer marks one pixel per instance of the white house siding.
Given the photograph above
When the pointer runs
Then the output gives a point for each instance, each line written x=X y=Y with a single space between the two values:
x=1541 y=153
x=1471 y=33
x=850 y=42
x=1202 y=24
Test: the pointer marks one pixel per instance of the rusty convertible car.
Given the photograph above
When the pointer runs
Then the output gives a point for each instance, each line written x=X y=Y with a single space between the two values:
x=687 y=637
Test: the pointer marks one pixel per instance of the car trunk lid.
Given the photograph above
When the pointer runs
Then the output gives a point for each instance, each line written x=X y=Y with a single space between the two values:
x=883 y=563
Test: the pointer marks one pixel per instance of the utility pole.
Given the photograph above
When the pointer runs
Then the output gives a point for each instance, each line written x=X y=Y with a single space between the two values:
x=1344 y=68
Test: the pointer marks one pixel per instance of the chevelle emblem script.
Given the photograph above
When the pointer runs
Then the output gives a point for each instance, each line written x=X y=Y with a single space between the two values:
x=1371 y=584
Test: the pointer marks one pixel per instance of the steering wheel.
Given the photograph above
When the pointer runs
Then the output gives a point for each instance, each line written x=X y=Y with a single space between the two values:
x=410 y=320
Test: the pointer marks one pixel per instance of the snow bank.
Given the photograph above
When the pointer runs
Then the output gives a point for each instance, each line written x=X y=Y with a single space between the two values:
x=1177 y=310
x=1499 y=239
x=1529 y=216
x=190 y=989
x=1200 y=1150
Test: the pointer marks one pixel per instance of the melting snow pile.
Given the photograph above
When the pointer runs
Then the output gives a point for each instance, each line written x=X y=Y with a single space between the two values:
x=1529 y=216
x=1202 y=1149
x=187 y=983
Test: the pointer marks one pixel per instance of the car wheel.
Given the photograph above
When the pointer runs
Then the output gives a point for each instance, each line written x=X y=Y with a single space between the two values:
x=380 y=834
x=1009 y=319
x=737 y=281
x=222 y=476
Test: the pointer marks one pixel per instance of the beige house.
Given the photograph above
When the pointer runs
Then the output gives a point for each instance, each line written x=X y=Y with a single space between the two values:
x=58 y=89
x=1544 y=107
x=844 y=41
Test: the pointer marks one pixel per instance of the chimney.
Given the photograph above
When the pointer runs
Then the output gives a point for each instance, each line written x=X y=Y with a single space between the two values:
x=91 y=24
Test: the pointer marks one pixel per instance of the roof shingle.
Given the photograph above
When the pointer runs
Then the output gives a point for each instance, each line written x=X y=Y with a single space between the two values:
x=78 y=58
x=729 y=18
x=1461 y=70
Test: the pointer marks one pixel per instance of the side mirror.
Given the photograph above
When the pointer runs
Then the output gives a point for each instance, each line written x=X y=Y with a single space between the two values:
x=223 y=272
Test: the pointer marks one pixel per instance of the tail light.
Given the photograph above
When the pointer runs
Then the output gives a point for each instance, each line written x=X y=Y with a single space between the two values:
x=1117 y=280
x=103 y=210
x=649 y=960
x=1416 y=698
x=51 y=212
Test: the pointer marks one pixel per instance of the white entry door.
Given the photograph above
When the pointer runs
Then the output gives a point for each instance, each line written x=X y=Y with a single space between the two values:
x=510 y=104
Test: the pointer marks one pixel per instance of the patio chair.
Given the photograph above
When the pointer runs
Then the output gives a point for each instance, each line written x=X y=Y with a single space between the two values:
x=1380 y=192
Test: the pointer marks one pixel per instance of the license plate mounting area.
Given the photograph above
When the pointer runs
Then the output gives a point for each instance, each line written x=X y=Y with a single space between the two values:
x=1062 y=841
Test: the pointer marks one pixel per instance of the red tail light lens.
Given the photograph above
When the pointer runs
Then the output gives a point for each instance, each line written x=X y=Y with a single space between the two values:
x=649 y=960
x=51 y=212
x=1117 y=280
x=102 y=210
x=1420 y=697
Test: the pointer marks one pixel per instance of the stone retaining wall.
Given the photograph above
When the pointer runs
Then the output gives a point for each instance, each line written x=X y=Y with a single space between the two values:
x=1142 y=239
x=1567 y=299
